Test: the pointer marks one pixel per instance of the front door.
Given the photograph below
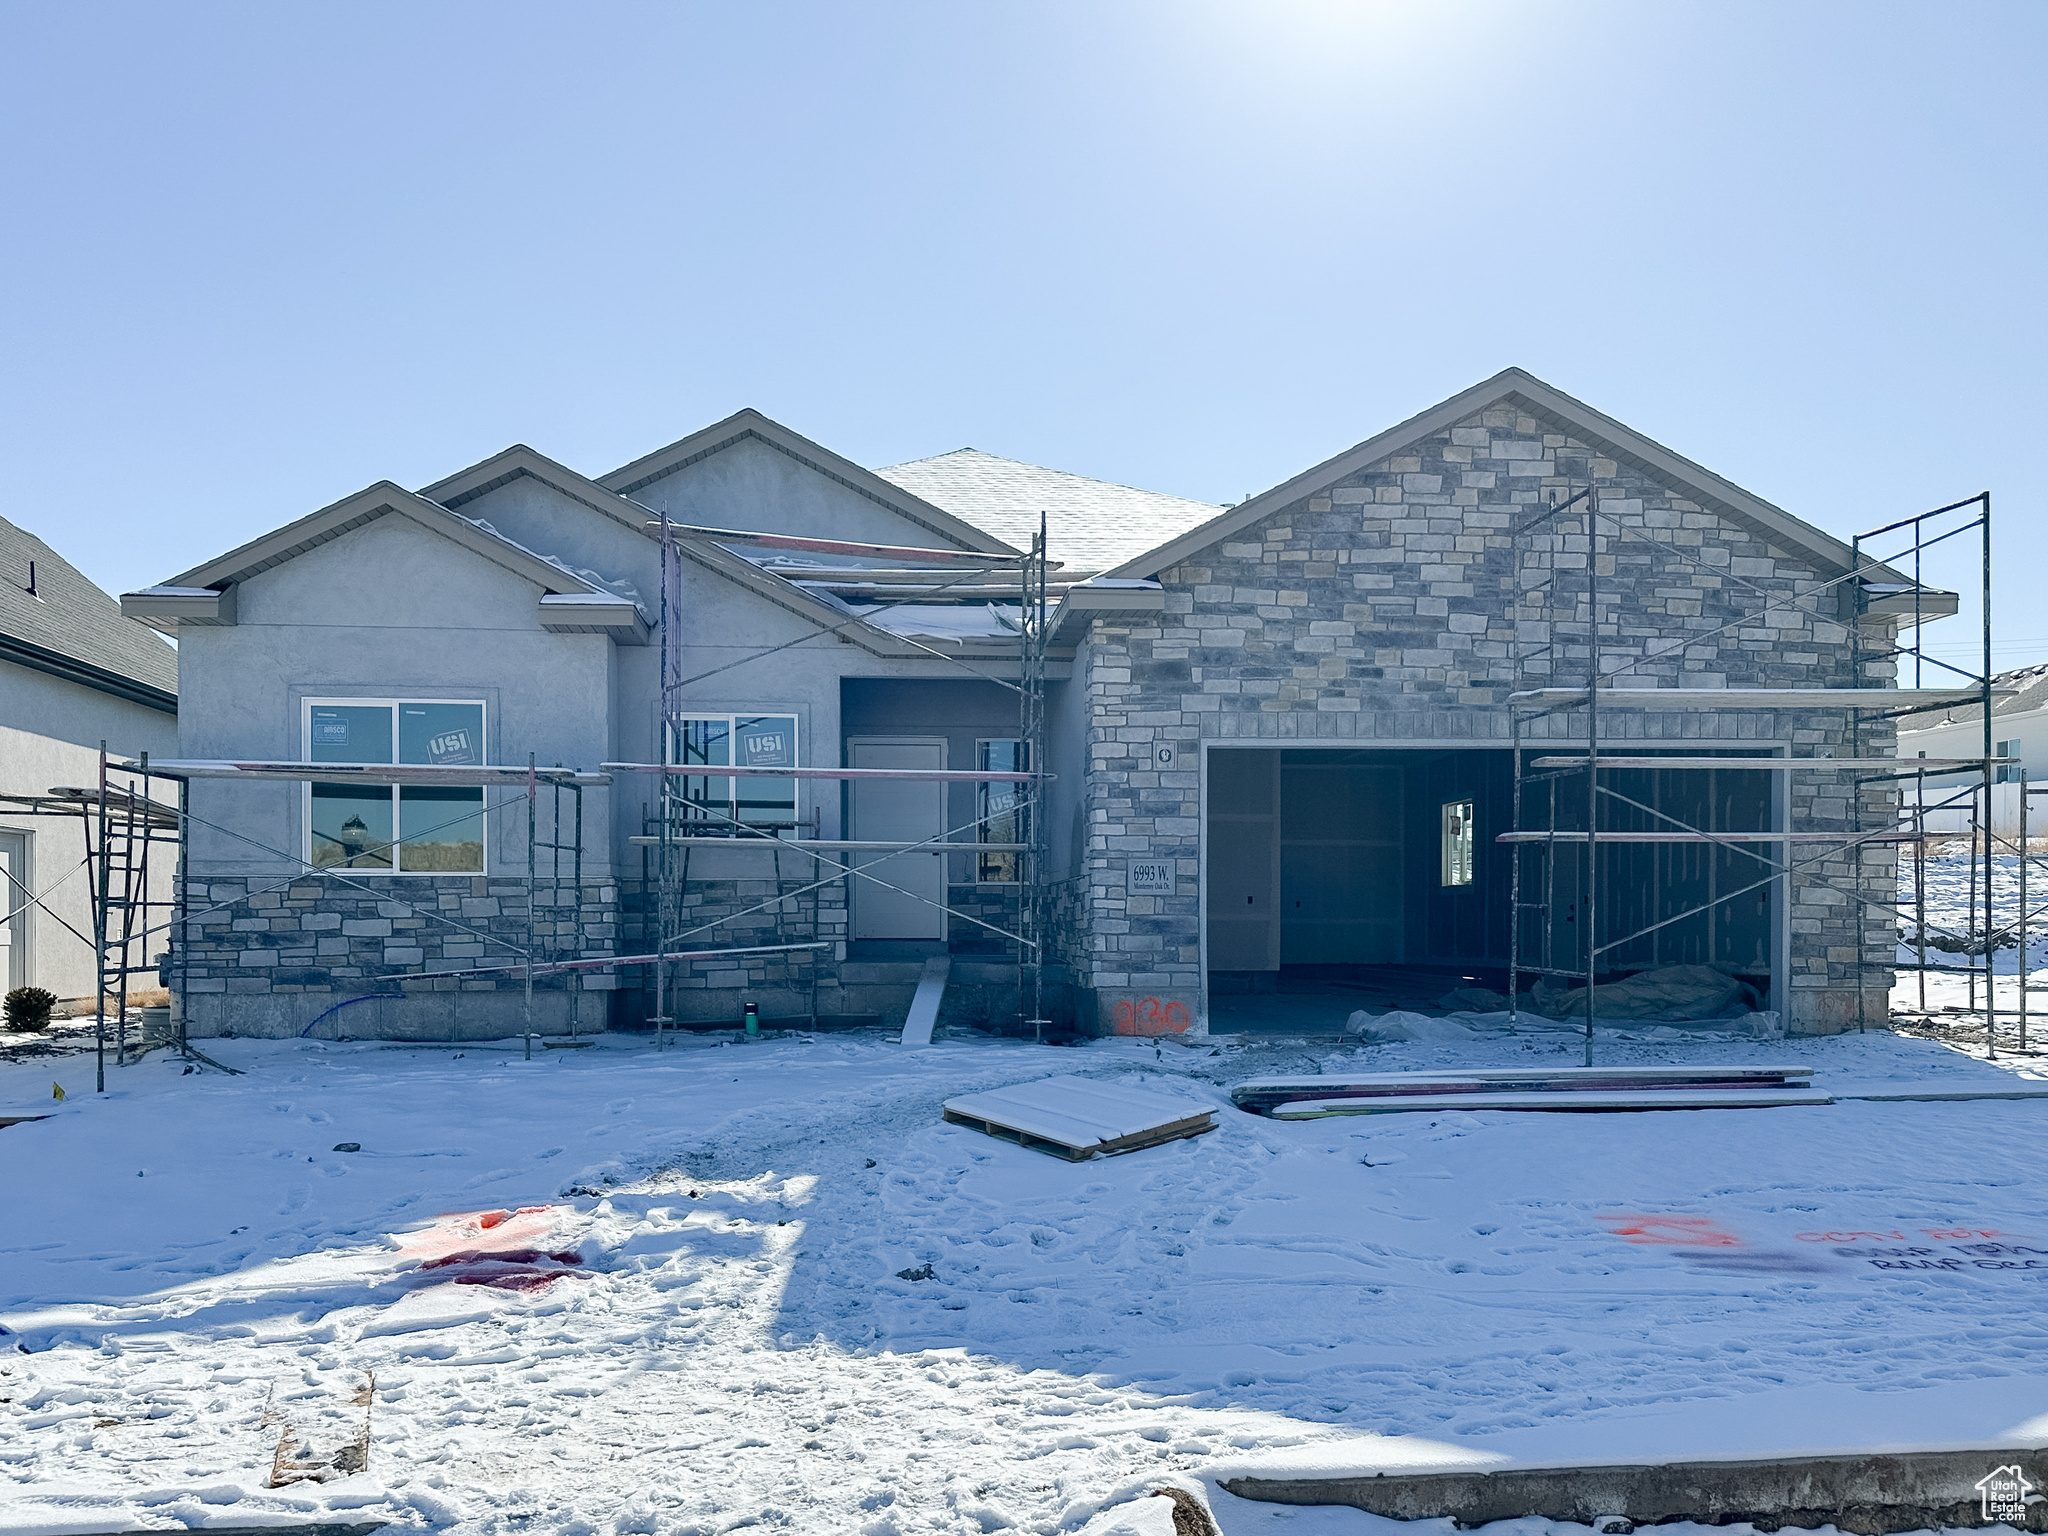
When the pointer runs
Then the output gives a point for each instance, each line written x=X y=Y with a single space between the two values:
x=14 y=910
x=898 y=811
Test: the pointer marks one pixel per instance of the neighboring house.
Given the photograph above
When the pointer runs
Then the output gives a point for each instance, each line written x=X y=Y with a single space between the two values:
x=74 y=672
x=2019 y=729
x=1278 y=731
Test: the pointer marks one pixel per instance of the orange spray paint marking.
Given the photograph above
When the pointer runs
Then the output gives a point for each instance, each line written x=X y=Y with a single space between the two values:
x=1672 y=1231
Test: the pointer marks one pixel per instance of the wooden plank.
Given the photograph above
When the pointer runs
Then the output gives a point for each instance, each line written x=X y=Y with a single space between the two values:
x=1530 y=1074
x=1763 y=698
x=1647 y=1099
x=1179 y=1130
x=1820 y=764
x=1725 y=837
x=924 y=1005
x=1260 y=1094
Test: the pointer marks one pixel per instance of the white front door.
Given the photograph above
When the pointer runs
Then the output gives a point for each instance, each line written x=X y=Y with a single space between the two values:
x=898 y=811
x=14 y=881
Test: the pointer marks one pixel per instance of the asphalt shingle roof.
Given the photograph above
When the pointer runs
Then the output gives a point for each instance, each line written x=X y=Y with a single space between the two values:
x=2032 y=683
x=70 y=616
x=1092 y=525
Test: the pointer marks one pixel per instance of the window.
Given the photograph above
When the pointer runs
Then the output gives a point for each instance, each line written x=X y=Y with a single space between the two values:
x=1457 y=859
x=2006 y=773
x=1000 y=809
x=412 y=829
x=721 y=805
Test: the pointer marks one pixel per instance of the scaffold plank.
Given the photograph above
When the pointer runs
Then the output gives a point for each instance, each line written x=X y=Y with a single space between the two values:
x=1761 y=698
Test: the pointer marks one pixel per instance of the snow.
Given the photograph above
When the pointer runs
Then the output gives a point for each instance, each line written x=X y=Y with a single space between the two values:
x=699 y=1316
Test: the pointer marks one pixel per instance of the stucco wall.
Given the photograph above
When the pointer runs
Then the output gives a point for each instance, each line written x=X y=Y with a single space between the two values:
x=50 y=735
x=1383 y=612
x=387 y=610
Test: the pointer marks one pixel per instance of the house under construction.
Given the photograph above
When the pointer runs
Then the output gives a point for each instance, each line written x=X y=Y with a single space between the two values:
x=743 y=723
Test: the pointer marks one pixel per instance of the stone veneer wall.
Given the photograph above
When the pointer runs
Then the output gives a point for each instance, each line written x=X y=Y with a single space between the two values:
x=1386 y=610
x=263 y=958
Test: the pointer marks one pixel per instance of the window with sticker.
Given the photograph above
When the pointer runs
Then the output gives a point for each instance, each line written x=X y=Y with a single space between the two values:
x=410 y=829
x=714 y=804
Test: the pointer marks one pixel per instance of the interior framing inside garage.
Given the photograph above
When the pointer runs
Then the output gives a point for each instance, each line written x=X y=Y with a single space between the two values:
x=1375 y=873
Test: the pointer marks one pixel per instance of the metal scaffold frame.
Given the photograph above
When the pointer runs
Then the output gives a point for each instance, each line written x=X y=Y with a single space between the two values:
x=681 y=825
x=1554 y=544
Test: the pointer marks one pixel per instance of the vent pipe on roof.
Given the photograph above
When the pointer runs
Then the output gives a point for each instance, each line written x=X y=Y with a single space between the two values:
x=32 y=580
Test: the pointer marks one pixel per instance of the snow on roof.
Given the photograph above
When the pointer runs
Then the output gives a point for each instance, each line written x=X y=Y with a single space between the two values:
x=942 y=621
x=1092 y=525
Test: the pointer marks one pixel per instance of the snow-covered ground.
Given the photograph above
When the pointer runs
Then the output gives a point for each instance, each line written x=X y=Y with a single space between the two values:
x=701 y=1321
x=1955 y=908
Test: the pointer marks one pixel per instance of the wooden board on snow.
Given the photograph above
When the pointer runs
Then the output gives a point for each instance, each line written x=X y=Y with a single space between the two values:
x=1078 y=1118
x=1261 y=1094
x=1648 y=1098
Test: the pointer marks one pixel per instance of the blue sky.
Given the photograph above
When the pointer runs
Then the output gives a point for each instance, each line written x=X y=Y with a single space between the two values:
x=257 y=256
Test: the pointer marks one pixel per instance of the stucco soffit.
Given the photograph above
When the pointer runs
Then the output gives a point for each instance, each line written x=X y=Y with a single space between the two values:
x=366 y=506
x=502 y=468
x=1559 y=412
x=813 y=456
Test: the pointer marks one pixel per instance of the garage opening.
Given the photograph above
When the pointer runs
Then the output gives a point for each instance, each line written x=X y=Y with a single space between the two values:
x=1375 y=875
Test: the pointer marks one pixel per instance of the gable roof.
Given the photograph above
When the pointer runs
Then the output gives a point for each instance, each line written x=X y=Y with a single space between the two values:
x=519 y=460
x=744 y=424
x=381 y=500
x=69 y=628
x=1091 y=525
x=1560 y=413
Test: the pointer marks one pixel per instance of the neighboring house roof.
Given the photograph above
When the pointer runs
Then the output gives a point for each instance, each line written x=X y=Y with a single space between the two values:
x=942 y=524
x=71 y=629
x=1559 y=412
x=2030 y=693
x=1091 y=525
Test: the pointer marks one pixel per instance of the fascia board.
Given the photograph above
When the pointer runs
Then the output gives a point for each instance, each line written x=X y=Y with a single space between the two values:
x=1557 y=410
x=366 y=506
x=813 y=456
x=576 y=614
x=167 y=608
x=502 y=468
x=1081 y=604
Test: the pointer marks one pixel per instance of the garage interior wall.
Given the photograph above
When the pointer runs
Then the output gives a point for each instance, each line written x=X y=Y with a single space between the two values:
x=1324 y=863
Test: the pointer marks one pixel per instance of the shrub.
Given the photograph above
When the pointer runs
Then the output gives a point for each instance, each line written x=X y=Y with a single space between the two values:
x=28 y=1008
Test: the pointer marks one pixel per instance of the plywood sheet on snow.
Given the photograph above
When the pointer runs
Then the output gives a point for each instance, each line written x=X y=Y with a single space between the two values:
x=1078 y=1118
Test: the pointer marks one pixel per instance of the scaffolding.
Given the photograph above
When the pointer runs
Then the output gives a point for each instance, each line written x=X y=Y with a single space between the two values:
x=679 y=823
x=1560 y=617
x=128 y=836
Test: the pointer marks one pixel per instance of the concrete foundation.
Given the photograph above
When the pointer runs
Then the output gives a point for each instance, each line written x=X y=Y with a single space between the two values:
x=1867 y=1495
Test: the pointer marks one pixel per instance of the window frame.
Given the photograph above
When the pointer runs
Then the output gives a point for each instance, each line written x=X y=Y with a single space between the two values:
x=393 y=703
x=1458 y=845
x=671 y=734
x=2007 y=773
x=1021 y=813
